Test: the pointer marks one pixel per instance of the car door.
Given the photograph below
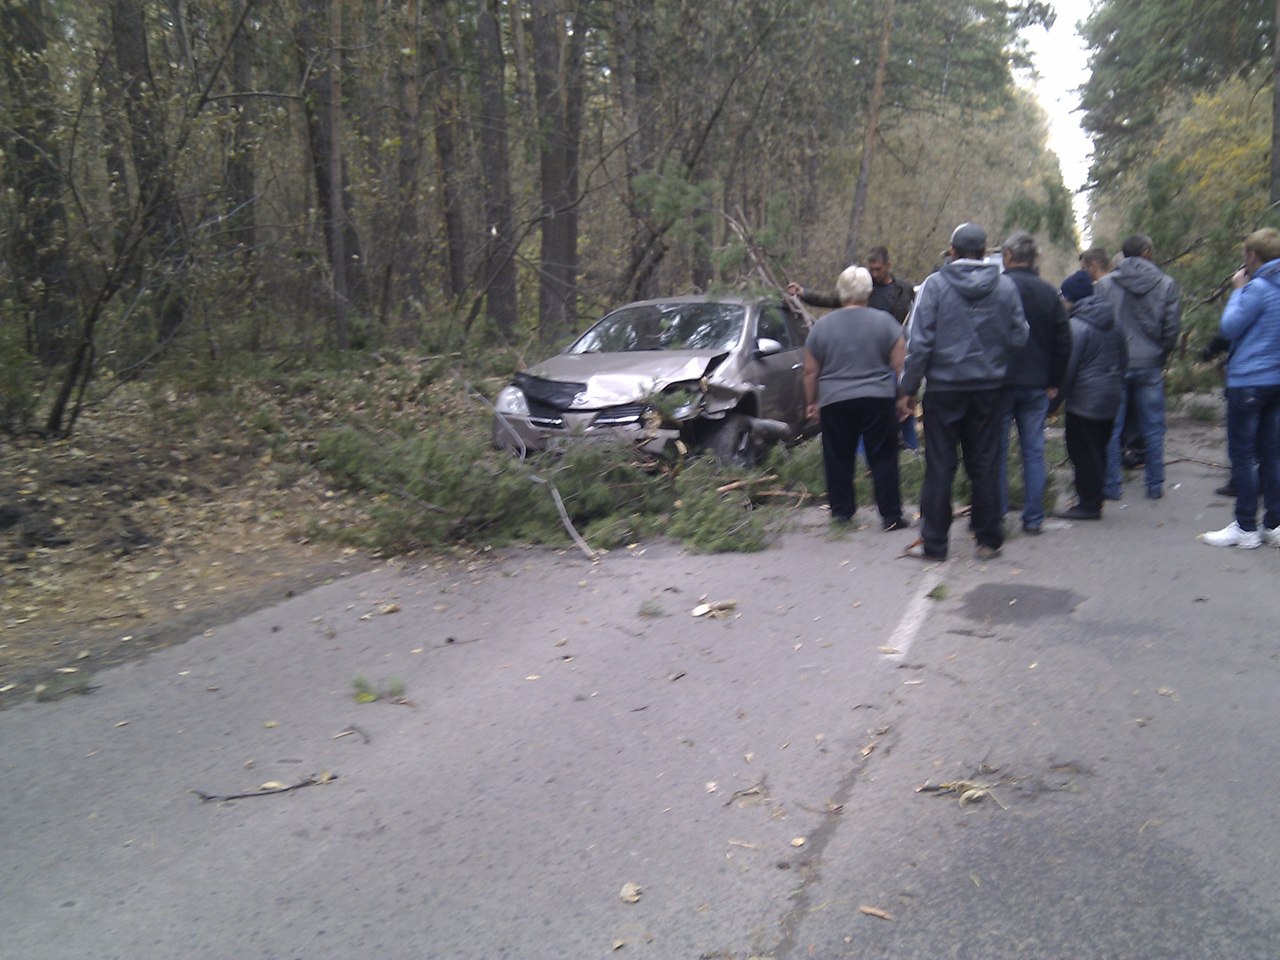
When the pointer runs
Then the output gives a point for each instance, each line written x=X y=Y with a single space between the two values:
x=780 y=374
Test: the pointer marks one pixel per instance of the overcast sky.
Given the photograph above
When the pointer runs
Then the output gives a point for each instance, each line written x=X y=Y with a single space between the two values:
x=1062 y=63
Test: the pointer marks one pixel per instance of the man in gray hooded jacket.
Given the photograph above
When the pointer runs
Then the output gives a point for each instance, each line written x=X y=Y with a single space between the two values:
x=967 y=320
x=1149 y=312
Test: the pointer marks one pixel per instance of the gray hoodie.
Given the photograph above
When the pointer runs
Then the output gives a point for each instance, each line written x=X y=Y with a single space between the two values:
x=1147 y=307
x=1094 y=380
x=967 y=321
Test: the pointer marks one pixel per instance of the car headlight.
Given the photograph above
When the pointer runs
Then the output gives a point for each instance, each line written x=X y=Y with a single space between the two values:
x=511 y=402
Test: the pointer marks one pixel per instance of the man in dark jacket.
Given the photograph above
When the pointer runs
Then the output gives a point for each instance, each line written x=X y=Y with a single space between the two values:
x=1149 y=312
x=888 y=293
x=967 y=321
x=1091 y=388
x=1033 y=378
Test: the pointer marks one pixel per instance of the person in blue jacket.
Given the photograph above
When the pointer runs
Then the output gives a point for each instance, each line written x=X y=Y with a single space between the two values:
x=1251 y=322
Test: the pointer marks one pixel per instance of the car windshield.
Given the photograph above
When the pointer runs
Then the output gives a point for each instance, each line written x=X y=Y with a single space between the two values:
x=665 y=326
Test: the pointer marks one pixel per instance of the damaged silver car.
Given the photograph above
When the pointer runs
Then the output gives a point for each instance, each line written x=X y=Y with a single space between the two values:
x=720 y=373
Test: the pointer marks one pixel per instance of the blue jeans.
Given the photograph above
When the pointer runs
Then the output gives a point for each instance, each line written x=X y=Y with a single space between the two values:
x=1028 y=407
x=1253 y=437
x=1144 y=389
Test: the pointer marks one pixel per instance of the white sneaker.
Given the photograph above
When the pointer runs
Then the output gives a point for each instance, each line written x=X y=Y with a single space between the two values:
x=1270 y=536
x=1233 y=536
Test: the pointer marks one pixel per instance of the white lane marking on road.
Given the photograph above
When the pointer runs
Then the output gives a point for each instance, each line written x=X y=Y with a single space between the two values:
x=912 y=618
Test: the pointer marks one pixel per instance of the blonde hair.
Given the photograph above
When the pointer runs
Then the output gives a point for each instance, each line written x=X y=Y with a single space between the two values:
x=1265 y=243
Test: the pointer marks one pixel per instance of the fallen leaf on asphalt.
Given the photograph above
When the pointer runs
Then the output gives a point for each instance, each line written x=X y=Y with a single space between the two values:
x=1167 y=692
x=618 y=944
x=715 y=608
x=534 y=676
x=712 y=786
x=868 y=749
x=798 y=842
x=273 y=785
x=630 y=892
x=875 y=912
x=390 y=608
x=887 y=651
x=271 y=723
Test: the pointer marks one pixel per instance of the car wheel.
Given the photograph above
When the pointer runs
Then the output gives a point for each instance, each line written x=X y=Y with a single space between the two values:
x=732 y=442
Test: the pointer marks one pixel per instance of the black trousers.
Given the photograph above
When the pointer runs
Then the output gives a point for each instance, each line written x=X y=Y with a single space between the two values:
x=1087 y=441
x=873 y=421
x=968 y=420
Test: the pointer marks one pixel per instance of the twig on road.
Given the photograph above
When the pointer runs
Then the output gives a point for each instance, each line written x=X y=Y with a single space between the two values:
x=309 y=782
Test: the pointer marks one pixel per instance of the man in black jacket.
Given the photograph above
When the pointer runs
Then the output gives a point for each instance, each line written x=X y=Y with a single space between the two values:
x=889 y=294
x=1033 y=378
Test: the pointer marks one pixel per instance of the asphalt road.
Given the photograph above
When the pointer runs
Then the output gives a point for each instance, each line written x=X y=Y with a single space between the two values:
x=1108 y=689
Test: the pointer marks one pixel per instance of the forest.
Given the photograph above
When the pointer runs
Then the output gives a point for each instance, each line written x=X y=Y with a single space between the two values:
x=201 y=183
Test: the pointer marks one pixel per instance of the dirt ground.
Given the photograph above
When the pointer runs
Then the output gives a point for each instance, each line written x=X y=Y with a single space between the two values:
x=137 y=533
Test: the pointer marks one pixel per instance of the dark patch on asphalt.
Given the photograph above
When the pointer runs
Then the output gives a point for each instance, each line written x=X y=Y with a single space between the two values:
x=1017 y=603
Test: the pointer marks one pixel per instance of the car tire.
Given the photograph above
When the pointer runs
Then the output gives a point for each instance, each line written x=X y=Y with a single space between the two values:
x=732 y=443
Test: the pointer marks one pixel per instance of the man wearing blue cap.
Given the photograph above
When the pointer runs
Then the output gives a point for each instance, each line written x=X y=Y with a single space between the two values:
x=968 y=319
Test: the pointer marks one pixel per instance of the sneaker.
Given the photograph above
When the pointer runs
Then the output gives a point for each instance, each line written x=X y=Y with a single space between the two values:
x=1228 y=489
x=984 y=552
x=1111 y=495
x=1031 y=529
x=1154 y=493
x=1270 y=536
x=902 y=523
x=1077 y=512
x=918 y=552
x=1233 y=536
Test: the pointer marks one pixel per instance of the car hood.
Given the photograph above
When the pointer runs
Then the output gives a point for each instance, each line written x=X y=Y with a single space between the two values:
x=614 y=378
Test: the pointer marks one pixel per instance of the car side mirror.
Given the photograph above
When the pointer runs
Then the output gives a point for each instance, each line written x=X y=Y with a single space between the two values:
x=766 y=346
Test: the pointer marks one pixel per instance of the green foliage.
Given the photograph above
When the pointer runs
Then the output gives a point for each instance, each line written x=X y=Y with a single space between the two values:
x=366 y=691
x=1051 y=214
x=1203 y=190
x=1148 y=53
x=651 y=609
x=712 y=522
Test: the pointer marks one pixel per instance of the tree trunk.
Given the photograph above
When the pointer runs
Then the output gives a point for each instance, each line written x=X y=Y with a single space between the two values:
x=406 y=270
x=241 y=180
x=161 y=215
x=636 y=84
x=869 y=139
x=322 y=91
x=557 y=56
x=38 y=250
x=499 y=266
x=444 y=106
